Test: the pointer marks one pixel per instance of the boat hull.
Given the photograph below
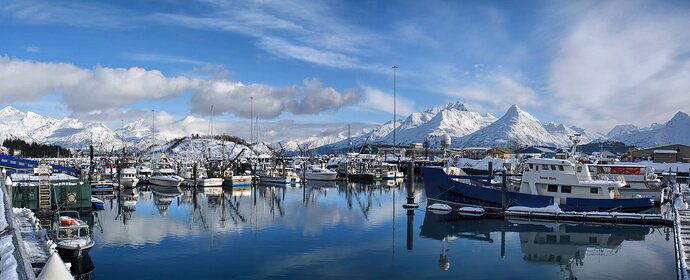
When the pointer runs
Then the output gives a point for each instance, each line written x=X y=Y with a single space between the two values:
x=239 y=181
x=74 y=251
x=165 y=181
x=442 y=188
x=321 y=176
x=280 y=180
x=129 y=182
x=210 y=182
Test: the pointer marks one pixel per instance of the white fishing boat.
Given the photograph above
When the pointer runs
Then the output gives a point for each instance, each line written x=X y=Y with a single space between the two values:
x=128 y=178
x=209 y=182
x=319 y=174
x=389 y=171
x=71 y=235
x=281 y=176
x=144 y=172
x=641 y=181
x=563 y=179
x=164 y=175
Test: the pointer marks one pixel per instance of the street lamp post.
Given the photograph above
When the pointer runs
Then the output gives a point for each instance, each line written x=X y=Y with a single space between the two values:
x=251 y=119
x=395 y=69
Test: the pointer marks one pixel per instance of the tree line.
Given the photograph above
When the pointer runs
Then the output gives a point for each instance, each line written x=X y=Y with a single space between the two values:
x=35 y=150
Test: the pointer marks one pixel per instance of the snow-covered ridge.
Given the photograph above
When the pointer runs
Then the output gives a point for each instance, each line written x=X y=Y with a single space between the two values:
x=675 y=131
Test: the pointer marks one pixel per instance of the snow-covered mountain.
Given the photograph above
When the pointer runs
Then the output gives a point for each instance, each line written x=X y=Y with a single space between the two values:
x=515 y=128
x=675 y=131
x=452 y=118
x=66 y=132
x=561 y=131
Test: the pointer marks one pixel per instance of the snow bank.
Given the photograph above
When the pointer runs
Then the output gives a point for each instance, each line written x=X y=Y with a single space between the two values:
x=664 y=166
x=3 y=218
x=8 y=265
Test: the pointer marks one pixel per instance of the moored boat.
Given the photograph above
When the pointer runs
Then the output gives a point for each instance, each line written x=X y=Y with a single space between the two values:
x=440 y=187
x=71 y=235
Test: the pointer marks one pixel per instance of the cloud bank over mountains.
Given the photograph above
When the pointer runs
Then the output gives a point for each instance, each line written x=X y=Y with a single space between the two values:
x=101 y=91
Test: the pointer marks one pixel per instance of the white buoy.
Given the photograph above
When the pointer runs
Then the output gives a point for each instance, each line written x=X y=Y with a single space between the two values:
x=439 y=208
x=55 y=269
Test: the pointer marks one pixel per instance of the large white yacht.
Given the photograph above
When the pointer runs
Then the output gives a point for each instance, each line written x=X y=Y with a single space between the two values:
x=165 y=176
x=317 y=173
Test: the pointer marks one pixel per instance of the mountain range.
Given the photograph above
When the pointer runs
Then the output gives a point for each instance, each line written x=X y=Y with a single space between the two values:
x=465 y=127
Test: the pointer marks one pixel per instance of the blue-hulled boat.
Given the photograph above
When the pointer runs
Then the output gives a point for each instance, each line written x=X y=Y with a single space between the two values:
x=441 y=187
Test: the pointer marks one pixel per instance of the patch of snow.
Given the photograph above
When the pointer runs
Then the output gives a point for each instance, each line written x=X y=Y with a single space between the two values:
x=8 y=264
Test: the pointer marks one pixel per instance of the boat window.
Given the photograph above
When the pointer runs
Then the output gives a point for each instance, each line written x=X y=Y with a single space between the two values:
x=593 y=240
x=530 y=166
x=579 y=169
x=537 y=167
x=552 y=188
x=566 y=189
x=545 y=167
x=551 y=239
x=83 y=232
x=62 y=234
x=553 y=167
x=565 y=239
x=593 y=190
x=560 y=167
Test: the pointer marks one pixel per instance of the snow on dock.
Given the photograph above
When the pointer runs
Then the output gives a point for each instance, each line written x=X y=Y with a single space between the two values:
x=14 y=260
x=682 y=231
x=36 y=241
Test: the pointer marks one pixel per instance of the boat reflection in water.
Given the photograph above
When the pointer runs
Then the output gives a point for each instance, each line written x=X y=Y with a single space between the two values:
x=163 y=196
x=563 y=244
x=82 y=268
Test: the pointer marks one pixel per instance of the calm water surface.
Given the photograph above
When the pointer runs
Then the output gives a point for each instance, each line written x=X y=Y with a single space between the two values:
x=351 y=231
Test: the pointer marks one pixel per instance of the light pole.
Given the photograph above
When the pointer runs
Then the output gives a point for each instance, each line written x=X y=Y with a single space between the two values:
x=251 y=119
x=395 y=69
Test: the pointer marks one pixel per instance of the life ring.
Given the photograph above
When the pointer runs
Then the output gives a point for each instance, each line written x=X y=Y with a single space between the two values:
x=71 y=198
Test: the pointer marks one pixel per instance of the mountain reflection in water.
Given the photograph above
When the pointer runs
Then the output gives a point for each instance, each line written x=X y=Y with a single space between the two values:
x=347 y=230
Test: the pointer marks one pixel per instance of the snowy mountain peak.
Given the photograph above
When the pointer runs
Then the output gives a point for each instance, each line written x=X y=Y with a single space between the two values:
x=514 y=111
x=680 y=118
x=9 y=111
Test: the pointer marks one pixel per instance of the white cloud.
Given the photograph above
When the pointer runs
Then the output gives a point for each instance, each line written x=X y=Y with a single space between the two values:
x=378 y=100
x=32 y=49
x=268 y=102
x=100 y=93
x=623 y=62
x=84 y=90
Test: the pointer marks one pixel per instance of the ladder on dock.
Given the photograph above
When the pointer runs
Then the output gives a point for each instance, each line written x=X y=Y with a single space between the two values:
x=43 y=172
x=44 y=212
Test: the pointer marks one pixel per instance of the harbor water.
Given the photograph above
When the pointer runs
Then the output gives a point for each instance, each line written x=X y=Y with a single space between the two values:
x=351 y=231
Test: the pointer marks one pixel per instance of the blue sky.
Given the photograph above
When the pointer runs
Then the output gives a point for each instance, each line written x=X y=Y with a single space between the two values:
x=590 y=64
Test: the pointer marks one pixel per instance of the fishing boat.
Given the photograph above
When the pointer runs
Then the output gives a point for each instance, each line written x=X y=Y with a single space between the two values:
x=71 y=234
x=209 y=182
x=319 y=174
x=389 y=171
x=240 y=180
x=640 y=180
x=144 y=172
x=128 y=178
x=165 y=175
x=280 y=174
